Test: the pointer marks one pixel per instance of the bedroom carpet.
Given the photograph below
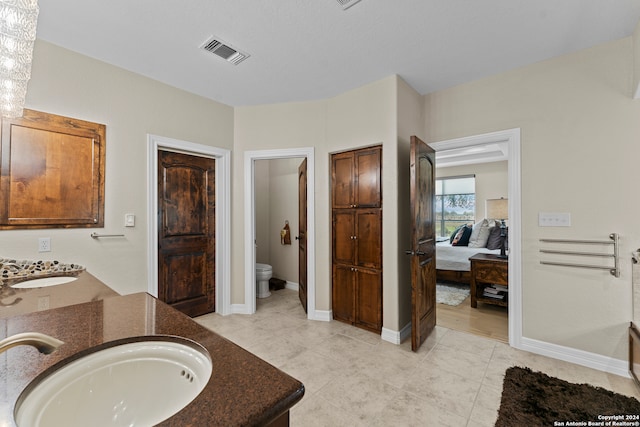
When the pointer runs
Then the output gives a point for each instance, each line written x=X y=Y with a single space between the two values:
x=451 y=293
x=536 y=399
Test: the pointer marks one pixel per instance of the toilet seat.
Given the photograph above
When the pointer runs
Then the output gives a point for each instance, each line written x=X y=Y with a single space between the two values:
x=263 y=268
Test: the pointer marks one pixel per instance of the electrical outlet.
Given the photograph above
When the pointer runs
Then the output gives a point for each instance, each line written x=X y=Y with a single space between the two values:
x=44 y=244
x=43 y=303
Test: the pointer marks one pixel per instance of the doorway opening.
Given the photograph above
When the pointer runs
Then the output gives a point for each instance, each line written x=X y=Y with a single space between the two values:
x=510 y=140
x=222 y=156
x=277 y=223
x=251 y=229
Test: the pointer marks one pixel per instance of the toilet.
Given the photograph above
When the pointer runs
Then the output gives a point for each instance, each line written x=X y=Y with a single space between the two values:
x=263 y=274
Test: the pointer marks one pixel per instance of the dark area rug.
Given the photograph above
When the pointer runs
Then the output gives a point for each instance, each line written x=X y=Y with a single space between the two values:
x=536 y=399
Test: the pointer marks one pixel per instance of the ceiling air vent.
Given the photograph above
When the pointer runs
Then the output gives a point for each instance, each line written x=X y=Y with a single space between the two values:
x=224 y=50
x=346 y=4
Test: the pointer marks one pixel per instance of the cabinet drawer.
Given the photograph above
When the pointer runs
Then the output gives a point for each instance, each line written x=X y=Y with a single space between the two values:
x=490 y=272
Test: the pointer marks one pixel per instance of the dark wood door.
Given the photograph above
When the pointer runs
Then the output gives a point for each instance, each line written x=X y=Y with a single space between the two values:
x=423 y=259
x=302 y=234
x=186 y=232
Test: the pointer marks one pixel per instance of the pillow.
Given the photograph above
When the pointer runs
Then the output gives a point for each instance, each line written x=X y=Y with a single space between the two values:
x=482 y=236
x=462 y=237
x=455 y=232
x=475 y=233
x=494 y=241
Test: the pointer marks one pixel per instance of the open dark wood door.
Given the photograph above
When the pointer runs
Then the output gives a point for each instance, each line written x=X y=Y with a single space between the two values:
x=186 y=232
x=423 y=250
x=302 y=233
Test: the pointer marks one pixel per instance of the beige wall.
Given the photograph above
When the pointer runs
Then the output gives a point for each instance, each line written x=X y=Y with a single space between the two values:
x=262 y=171
x=283 y=206
x=580 y=149
x=409 y=123
x=636 y=62
x=69 y=84
x=362 y=117
x=491 y=181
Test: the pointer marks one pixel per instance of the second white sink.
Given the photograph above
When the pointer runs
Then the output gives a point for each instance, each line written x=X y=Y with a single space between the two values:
x=135 y=384
x=44 y=282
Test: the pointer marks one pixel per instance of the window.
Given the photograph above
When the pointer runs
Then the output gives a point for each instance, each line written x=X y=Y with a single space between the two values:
x=455 y=203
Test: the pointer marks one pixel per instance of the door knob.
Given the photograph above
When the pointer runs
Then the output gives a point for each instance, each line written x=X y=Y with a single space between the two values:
x=409 y=252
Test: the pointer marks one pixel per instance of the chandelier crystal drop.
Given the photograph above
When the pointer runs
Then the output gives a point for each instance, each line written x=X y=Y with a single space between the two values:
x=18 y=22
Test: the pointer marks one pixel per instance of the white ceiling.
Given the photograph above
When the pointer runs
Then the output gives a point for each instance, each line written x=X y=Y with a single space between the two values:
x=313 y=49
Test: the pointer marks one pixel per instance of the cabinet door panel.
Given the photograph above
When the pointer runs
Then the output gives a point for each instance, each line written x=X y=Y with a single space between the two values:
x=343 y=293
x=369 y=238
x=368 y=173
x=342 y=176
x=343 y=236
x=368 y=300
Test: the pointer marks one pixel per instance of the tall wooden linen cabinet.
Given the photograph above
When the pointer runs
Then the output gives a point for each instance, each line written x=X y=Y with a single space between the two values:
x=356 y=205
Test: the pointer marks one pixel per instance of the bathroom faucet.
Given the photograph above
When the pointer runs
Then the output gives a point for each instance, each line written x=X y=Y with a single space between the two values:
x=44 y=343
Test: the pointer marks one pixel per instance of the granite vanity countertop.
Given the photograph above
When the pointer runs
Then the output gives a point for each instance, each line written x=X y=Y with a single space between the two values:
x=243 y=389
x=85 y=288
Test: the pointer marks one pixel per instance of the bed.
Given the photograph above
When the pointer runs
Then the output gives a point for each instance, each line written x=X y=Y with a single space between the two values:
x=452 y=258
x=452 y=262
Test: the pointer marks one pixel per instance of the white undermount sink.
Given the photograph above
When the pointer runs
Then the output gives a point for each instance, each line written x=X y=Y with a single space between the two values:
x=133 y=384
x=44 y=282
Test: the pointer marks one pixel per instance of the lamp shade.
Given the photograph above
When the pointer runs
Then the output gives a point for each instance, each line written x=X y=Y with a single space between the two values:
x=497 y=208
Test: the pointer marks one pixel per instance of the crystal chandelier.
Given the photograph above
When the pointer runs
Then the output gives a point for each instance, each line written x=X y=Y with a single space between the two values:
x=18 y=21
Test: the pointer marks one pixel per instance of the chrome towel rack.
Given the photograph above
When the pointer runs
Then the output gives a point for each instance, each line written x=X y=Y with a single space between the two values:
x=97 y=236
x=615 y=241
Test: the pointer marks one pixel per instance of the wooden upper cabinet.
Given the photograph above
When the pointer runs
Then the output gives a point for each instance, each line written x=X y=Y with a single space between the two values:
x=51 y=172
x=342 y=175
x=368 y=173
x=356 y=179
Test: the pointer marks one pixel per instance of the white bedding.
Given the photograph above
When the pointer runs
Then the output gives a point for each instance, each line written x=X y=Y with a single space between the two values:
x=457 y=257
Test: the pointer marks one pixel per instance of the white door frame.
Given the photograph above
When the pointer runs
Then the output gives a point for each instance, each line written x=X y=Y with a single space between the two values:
x=512 y=138
x=222 y=156
x=250 y=224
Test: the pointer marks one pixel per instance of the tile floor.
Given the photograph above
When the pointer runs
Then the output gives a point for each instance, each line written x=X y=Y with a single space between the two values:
x=353 y=378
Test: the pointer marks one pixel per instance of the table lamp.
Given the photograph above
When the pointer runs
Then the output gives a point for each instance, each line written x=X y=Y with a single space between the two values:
x=498 y=209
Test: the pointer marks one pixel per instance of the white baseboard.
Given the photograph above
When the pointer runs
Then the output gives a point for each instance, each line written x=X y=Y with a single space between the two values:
x=396 y=337
x=579 y=357
x=239 y=309
x=291 y=285
x=323 y=315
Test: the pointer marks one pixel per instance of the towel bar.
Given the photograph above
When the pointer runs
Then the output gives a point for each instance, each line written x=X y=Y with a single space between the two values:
x=97 y=236
x=615 y=240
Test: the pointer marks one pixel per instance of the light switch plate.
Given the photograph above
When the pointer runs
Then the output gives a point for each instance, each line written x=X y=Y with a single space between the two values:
x=554 y=219
x=129 y=220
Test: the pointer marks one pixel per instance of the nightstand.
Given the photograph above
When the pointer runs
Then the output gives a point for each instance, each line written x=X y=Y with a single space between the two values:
x=486 y=270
